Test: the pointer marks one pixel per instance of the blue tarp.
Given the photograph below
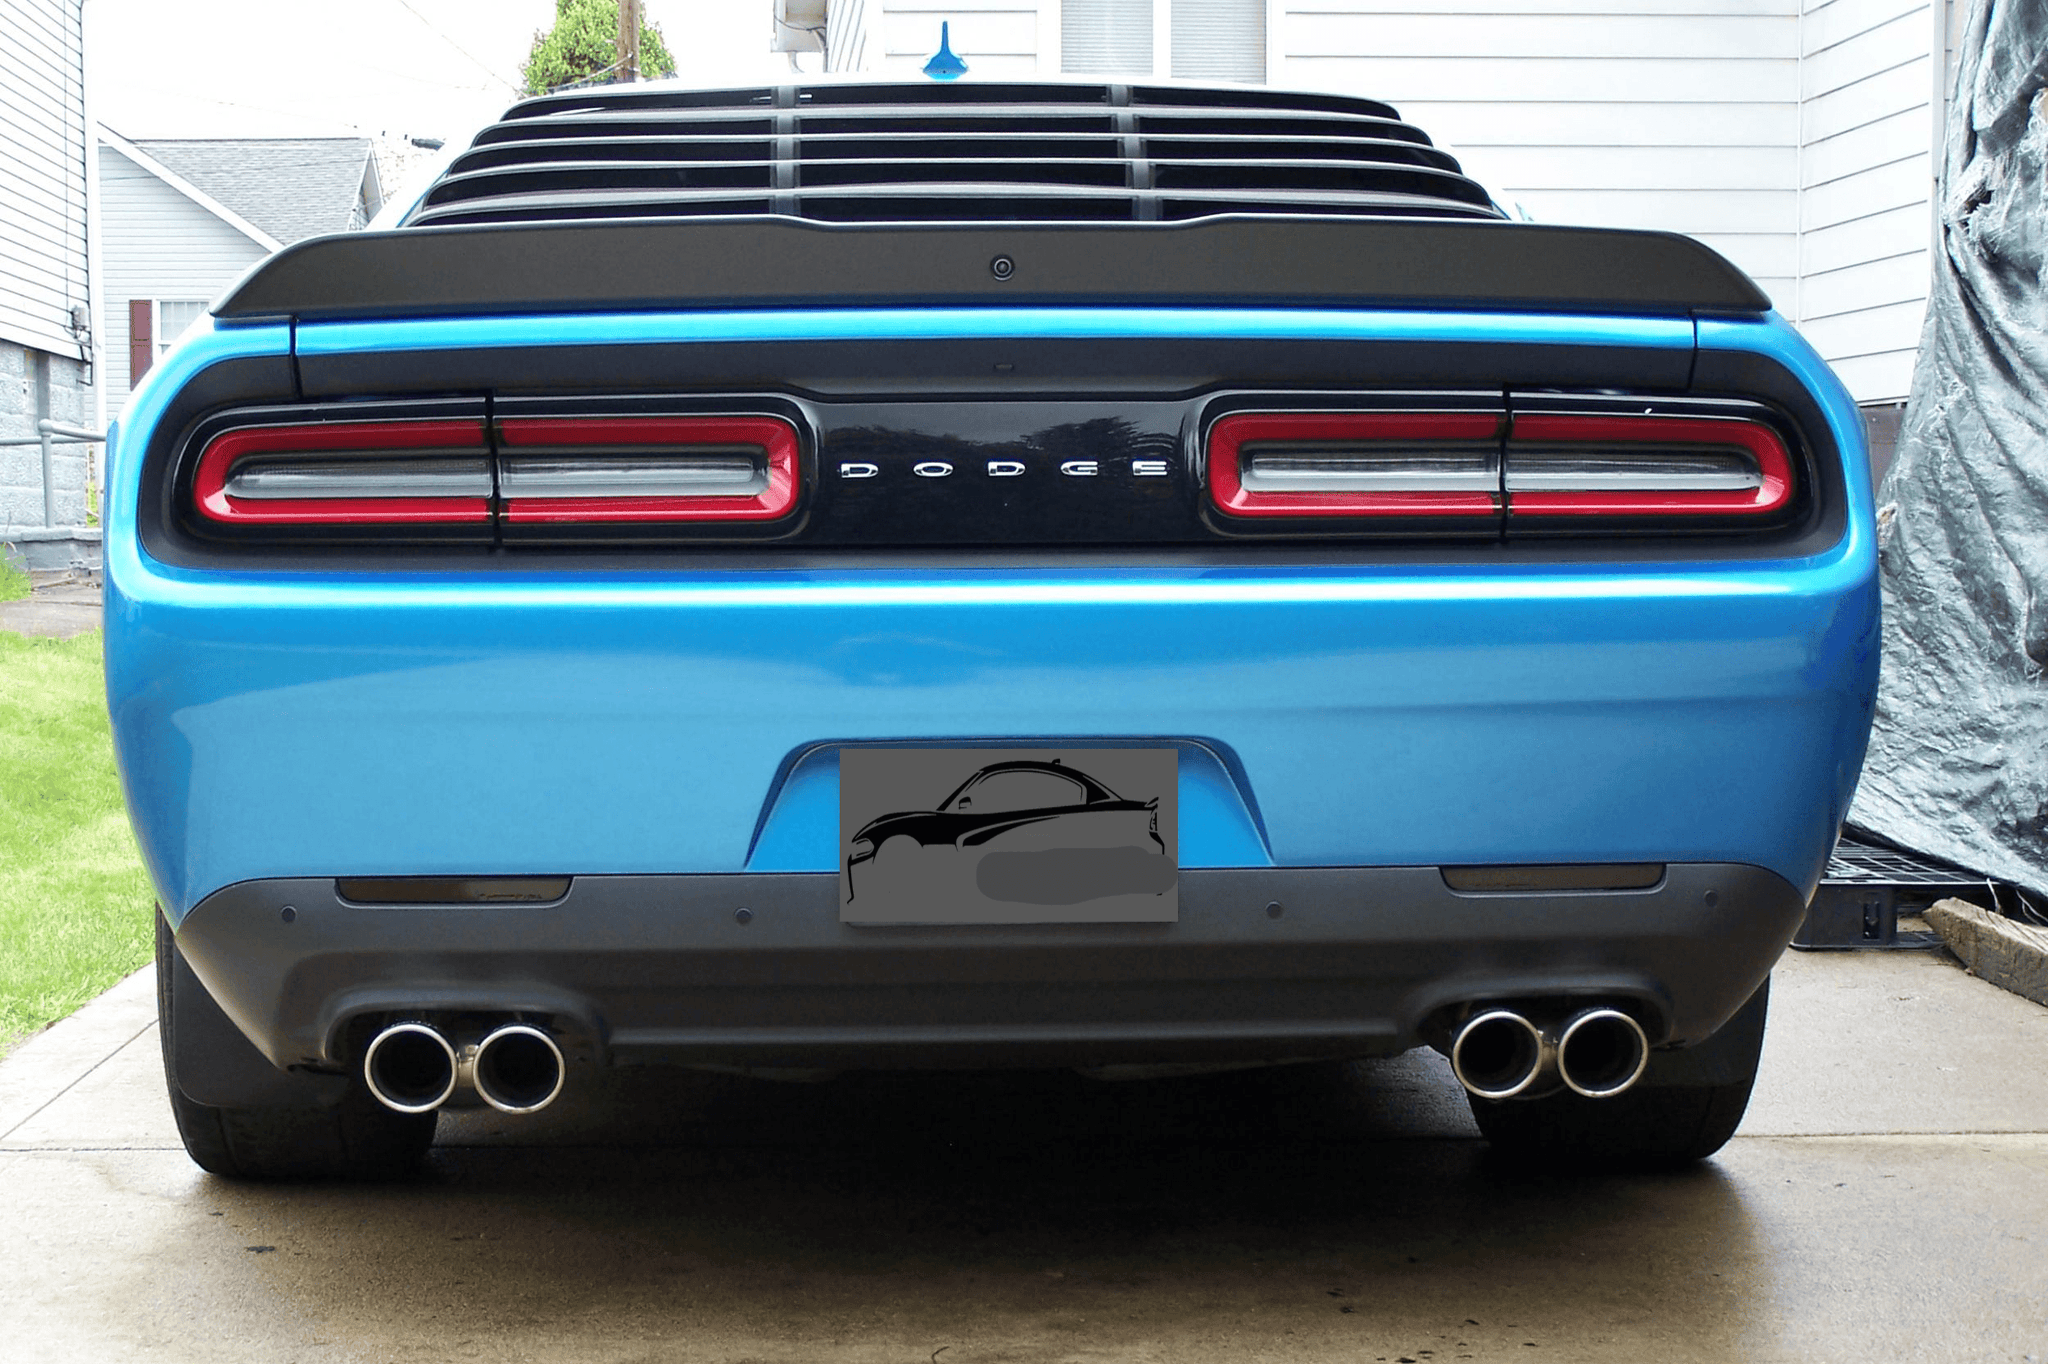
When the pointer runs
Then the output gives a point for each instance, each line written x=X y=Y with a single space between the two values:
x=1958 y=764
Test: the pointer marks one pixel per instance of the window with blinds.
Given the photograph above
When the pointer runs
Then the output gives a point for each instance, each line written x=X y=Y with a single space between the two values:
x=174 y=317
x=1218 y=40
x=1207 y=40
x=1107 y=37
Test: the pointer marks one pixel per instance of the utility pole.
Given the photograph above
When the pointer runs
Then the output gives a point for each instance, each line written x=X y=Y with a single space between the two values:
x=629 y=40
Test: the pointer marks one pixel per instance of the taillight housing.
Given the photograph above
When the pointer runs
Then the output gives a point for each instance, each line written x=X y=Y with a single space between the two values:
x=603 y=470
x=1393 y=471
x=534 y=479
x=1545 y=464
x=346 y=474
x=1572 y=465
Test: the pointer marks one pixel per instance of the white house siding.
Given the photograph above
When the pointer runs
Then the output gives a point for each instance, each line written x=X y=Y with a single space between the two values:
x=1865 y=179
x=42 y=166
x=996 y=38
x=893 y=39
x=846 y=35
x=156 y=244
x=44 y=274
x=1673 y=114
x=1791 y=135
x=1199 y=39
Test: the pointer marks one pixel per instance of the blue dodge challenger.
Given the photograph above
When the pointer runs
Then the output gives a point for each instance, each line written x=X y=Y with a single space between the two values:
x=513 y=615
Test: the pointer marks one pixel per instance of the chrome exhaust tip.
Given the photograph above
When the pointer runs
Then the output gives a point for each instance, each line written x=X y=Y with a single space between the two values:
x=410 y=1068
x=518 y=1069
x=1602 y=1053
x=1499 y=1054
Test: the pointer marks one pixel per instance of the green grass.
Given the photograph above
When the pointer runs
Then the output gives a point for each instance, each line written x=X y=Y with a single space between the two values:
x=74 y=903
x=14 y=583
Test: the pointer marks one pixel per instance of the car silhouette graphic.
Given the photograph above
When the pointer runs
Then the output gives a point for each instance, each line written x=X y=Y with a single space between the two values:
x=1022 y=832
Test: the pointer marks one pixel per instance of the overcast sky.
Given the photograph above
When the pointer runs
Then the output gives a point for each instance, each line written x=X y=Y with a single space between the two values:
x=418 y=68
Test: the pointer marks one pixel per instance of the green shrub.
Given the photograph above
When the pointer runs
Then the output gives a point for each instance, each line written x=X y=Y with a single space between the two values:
x=584 y=44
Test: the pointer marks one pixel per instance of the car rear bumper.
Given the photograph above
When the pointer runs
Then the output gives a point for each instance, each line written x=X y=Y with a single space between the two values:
x=270 y=727
x=643 y=715
x=664 y=969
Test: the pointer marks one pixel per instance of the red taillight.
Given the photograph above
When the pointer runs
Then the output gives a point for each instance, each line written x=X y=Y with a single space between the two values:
x=1583 y=465
x=1567 y=468
x=347 y=473
x=1352 y=464
x=646 y=469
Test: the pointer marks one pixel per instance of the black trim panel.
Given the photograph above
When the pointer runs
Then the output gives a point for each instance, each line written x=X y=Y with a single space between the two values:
x=663 y=969
x=995 y=367
x=774 y=262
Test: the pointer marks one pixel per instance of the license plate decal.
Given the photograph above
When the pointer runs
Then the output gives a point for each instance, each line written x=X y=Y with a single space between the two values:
x=1009 y=835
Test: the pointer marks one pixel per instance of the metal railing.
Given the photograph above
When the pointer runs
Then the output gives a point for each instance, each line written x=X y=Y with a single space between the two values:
x=51 y=434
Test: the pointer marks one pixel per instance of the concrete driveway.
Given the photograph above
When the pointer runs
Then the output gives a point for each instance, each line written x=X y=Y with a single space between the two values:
x=1887 y=1199
x=61 y=609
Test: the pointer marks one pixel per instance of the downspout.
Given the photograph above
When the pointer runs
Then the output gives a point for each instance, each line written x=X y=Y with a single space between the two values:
x=1799 y=173
x=95 y=264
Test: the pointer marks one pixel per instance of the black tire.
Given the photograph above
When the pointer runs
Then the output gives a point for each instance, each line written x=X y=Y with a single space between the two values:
x=322 y=1136
x=1685 y=1108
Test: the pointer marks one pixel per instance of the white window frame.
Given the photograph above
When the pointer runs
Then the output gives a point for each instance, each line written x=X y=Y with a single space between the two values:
x=160 y=344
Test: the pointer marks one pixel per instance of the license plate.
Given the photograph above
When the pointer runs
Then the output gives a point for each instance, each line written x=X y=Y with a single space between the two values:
x=1009 y=835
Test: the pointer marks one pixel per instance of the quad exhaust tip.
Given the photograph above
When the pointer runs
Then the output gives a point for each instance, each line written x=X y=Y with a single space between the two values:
x=1602 y=1053
x=412 y=1067
x=1499 y=1054
x=518 y=1069
x=1502 y=1054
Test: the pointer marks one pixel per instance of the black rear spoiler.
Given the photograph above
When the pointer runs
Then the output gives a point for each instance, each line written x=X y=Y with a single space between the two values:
x=780 y=262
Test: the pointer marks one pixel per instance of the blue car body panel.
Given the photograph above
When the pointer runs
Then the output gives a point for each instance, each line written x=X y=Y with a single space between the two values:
x=298 y=723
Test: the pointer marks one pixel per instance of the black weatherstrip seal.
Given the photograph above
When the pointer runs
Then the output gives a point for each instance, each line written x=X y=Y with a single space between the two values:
x=780 y=262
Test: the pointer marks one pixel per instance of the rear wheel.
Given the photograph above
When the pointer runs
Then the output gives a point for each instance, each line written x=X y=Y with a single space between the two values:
x=1686 y=1107
x=294 y=1126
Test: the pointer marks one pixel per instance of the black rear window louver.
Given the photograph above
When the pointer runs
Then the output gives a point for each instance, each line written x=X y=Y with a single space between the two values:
x=890 y=153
